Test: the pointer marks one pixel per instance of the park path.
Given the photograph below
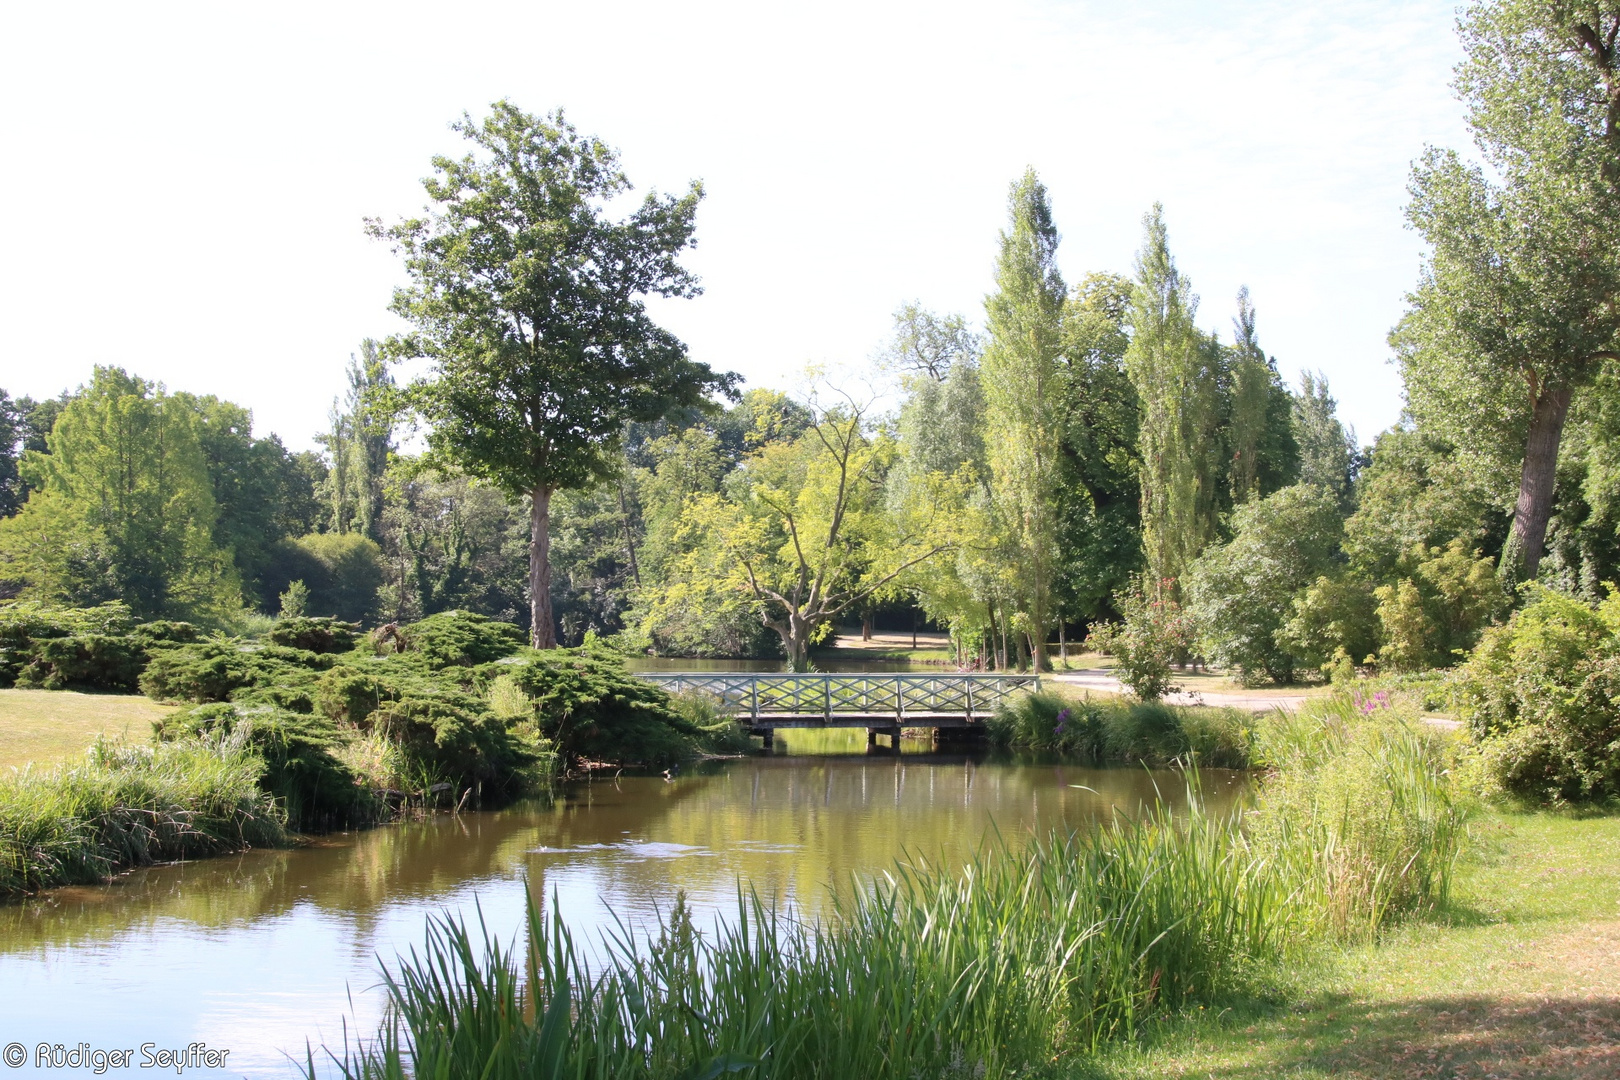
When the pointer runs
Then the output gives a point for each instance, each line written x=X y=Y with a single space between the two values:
x=1104 y=680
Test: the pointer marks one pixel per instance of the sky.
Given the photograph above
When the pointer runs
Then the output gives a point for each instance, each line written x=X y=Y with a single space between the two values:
x=185 y=184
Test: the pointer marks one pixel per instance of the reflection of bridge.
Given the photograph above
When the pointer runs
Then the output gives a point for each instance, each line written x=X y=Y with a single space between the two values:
x=877 y=702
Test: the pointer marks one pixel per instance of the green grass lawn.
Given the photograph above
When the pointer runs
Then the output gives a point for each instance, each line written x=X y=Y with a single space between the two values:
x=47 y=726
x=1521 y=979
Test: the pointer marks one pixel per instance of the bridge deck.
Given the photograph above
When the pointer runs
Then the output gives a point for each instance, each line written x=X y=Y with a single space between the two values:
x=859 y=700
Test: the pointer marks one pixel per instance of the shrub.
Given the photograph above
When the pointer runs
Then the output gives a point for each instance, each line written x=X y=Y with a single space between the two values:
x=1435 y=613
x=593 y=710
x=462 y=639
x=1334 y=622
x=87 y=661
x=1541 y=697
x=215 y=670
x=300 y=767
x=314 y=635
x=1151 y=636
x=349 y=695
x=1241 y=594
x=25 y=623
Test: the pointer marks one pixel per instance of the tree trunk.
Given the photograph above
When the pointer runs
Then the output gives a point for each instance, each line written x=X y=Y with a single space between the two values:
x=866 y=626
x=994 y=656
x=542 y=628
x=1522 y=555
x=629 y=539
x=1063 y=644
x=798 y=648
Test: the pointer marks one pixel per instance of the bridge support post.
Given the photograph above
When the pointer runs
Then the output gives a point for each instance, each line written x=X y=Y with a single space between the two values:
x=871 y=736
x=769 y=737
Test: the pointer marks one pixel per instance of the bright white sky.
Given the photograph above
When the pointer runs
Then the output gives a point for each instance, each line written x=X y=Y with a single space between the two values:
x=187 y=181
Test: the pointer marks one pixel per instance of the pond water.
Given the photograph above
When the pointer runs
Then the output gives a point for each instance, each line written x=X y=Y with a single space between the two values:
x=258 y=952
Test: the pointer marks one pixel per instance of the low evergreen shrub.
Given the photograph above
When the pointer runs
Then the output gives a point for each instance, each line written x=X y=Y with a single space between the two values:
x=592 y=709
x=314 y=635
x=462 y=639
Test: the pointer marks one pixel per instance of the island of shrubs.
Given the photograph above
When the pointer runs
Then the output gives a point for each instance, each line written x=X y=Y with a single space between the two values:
x=312 y=725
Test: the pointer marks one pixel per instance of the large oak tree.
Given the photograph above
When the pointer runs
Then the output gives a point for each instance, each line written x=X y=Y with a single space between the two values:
x=529 y=299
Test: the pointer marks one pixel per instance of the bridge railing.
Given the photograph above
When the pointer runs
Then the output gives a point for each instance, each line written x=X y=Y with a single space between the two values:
x=761 y=695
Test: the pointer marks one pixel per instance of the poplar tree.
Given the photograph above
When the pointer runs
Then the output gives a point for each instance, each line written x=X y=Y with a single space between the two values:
x=1025 y=398
x=1518 y=307
x=1251 y=394
x=1168 y=362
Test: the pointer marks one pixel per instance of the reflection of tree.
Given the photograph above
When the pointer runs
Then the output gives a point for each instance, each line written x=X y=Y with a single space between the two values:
x=787 y=826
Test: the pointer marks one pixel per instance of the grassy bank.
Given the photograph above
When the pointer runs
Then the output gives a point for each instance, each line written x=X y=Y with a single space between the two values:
x=43 y=727
x=1026 y=962
x=1518 y=977
x=127 y=806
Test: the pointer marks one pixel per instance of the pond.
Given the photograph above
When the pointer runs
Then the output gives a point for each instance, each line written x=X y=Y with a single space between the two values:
x=258 y=952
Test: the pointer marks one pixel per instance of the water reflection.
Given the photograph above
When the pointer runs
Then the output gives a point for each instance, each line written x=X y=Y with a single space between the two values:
x=256 y=952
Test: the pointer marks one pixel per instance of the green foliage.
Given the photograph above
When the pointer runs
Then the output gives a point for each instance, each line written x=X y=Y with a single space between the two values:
x=1517 y=293
x=1541 y=698
x=123 y=508
x=340 y=571
x=88 y=661
x=1358 y=814
x=1099 y=502
x=1176 y=373
x=1138 y=733
x=216 y=669
x=530 y=302
x=1434 y=616
x=313 y=788
x=452 y=542
x=1334 y=623
x=127 y=806
x=99 y=648
x=461 y=639
x=313 y=635
x=1327 y=452
x=1153 y=633
x=1025 y=401
x=593 y=710
x=1242 y=593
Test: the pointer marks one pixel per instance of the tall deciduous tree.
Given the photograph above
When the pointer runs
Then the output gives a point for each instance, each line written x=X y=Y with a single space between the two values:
x=122 y=507
x=1327 y=451
x=530 y=301
x=1169 y=363
x=1026 y=398
x=1099 y=505
x=930 y=345
x=1518 y=306
x=805 y=530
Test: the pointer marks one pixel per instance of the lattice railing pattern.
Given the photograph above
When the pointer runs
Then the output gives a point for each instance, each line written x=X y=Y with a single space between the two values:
x=763 y=695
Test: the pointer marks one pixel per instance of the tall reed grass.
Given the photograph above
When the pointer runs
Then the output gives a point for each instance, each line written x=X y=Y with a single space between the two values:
x=1359 y=811
x=1021 y=957
x=127 y=806
x=1003 y=967
x=1134 y=732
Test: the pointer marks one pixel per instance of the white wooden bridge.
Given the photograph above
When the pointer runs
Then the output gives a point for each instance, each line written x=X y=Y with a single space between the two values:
x=877 y=702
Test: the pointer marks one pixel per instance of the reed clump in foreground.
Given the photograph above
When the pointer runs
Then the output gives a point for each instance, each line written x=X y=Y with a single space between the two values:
x=1008 y=966
x=127 y=806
